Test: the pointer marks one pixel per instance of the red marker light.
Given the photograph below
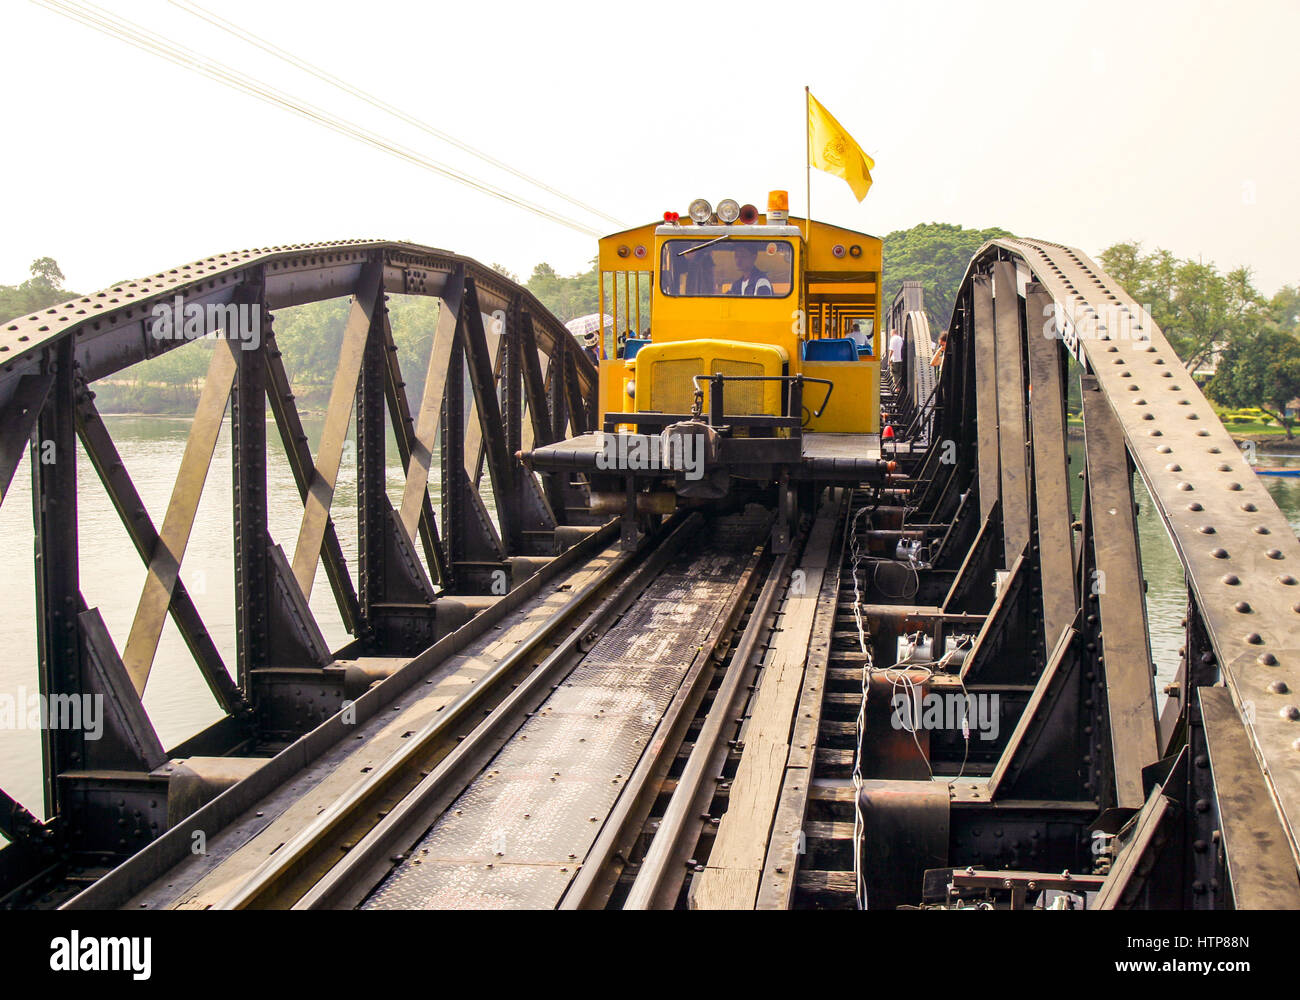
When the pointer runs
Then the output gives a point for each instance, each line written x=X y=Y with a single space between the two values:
x=888 y=435
x=671 y=217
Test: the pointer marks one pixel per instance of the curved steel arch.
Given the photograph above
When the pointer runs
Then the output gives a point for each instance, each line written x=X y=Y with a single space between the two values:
x=492 y=389
x=108 y=326
x=1229 y=733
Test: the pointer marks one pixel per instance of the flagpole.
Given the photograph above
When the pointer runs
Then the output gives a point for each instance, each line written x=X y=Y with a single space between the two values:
x=807 y=163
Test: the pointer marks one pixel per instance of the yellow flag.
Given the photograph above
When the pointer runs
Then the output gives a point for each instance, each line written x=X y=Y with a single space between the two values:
x=831 y=148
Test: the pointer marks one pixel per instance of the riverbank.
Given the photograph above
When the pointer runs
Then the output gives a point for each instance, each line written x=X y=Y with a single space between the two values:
x=155 y=399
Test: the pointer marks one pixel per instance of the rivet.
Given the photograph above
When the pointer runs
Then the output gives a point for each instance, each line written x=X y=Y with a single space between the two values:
x=1268 y=659
x=1279 y=687
x=1231 y=579
x=1249 y=507
x=1174 y=467
x=1243 y=607
x=1206 y=529
x=1195 y=506
x=1287 y=580
x=1274 y=553
x=1261 y=529
x=1290 y=712
x=1254 y=638
x=1185 y=487
x=1219 y=553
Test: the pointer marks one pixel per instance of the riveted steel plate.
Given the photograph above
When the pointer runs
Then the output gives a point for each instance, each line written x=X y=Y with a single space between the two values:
x=474 y=886
x=614 y=689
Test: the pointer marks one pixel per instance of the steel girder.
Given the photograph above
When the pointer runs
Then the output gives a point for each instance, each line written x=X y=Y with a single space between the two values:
x=1178 y=795
x=527 y=379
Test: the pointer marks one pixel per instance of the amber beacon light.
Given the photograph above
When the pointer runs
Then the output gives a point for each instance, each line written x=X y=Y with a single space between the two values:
x=778 y=206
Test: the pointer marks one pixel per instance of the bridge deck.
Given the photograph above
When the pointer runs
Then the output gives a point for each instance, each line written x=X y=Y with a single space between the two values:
x=202 y=881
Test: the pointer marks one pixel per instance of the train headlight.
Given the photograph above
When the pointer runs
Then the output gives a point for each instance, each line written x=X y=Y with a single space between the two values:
x=700 y=211
x=728 y=210
x=631 y=388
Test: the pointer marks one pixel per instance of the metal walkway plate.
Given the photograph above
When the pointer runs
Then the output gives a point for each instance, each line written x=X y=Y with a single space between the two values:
x=522 y=829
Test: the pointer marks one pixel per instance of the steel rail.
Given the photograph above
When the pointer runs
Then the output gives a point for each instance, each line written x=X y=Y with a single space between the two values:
x=349 y=882
x=595 y=881
x=270 y=883
x=664 y=858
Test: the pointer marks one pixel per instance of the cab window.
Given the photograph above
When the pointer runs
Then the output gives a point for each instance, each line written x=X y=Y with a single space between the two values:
x=708 y=269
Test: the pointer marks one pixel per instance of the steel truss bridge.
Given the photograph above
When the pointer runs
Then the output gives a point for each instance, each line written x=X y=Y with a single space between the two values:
x=690 y=721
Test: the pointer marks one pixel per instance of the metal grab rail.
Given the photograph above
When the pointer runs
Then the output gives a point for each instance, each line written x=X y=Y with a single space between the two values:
x=794 y=381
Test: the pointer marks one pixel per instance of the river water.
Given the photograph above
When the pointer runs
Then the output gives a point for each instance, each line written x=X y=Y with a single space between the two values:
x=178 y=701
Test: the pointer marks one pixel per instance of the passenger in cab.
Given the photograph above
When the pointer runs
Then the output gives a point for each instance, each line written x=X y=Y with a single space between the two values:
x=752 y=281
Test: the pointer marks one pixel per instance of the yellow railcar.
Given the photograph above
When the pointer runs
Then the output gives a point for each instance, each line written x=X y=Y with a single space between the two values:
x=753 y=363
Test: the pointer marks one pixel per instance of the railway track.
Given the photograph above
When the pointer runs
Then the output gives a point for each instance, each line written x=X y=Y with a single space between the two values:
x=539 y=792
x=603 y=778
x=620 y=678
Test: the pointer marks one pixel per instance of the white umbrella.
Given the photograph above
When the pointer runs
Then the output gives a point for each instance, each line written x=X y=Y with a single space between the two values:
x=591 y=323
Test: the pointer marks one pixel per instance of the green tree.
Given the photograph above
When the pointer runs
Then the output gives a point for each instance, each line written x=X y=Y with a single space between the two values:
x=46 y=269
x=42 y=290
x=1260 y=369
x=1200 y=310
x=1285 y=308
x=936 y=254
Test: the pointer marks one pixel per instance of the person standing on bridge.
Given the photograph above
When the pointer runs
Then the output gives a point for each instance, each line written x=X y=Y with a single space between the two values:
x=936 y=361
x=896 y=358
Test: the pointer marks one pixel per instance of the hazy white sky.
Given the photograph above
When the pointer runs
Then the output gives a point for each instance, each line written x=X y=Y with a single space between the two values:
x=1082 y=123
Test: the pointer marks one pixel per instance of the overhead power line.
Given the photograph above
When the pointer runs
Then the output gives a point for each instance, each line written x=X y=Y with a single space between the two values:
x=149 y=41
x=254 y=39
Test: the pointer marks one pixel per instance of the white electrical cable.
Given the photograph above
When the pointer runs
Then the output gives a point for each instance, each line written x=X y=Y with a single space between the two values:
x=106 y=22
x=252 y=38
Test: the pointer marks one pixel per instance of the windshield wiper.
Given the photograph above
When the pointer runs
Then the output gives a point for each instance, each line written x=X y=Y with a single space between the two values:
x=701 y=246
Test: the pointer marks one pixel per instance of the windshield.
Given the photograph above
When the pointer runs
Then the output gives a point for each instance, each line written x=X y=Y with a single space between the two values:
x=727 y=267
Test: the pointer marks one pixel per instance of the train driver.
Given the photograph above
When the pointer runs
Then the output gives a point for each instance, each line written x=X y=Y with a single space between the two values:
x=752 y=281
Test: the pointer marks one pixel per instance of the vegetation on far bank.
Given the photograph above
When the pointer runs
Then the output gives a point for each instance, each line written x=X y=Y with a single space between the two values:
x=1207 y=315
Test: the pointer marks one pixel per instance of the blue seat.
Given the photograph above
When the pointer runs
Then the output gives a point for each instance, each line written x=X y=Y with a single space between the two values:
x=831 y=349
x=631 y=346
